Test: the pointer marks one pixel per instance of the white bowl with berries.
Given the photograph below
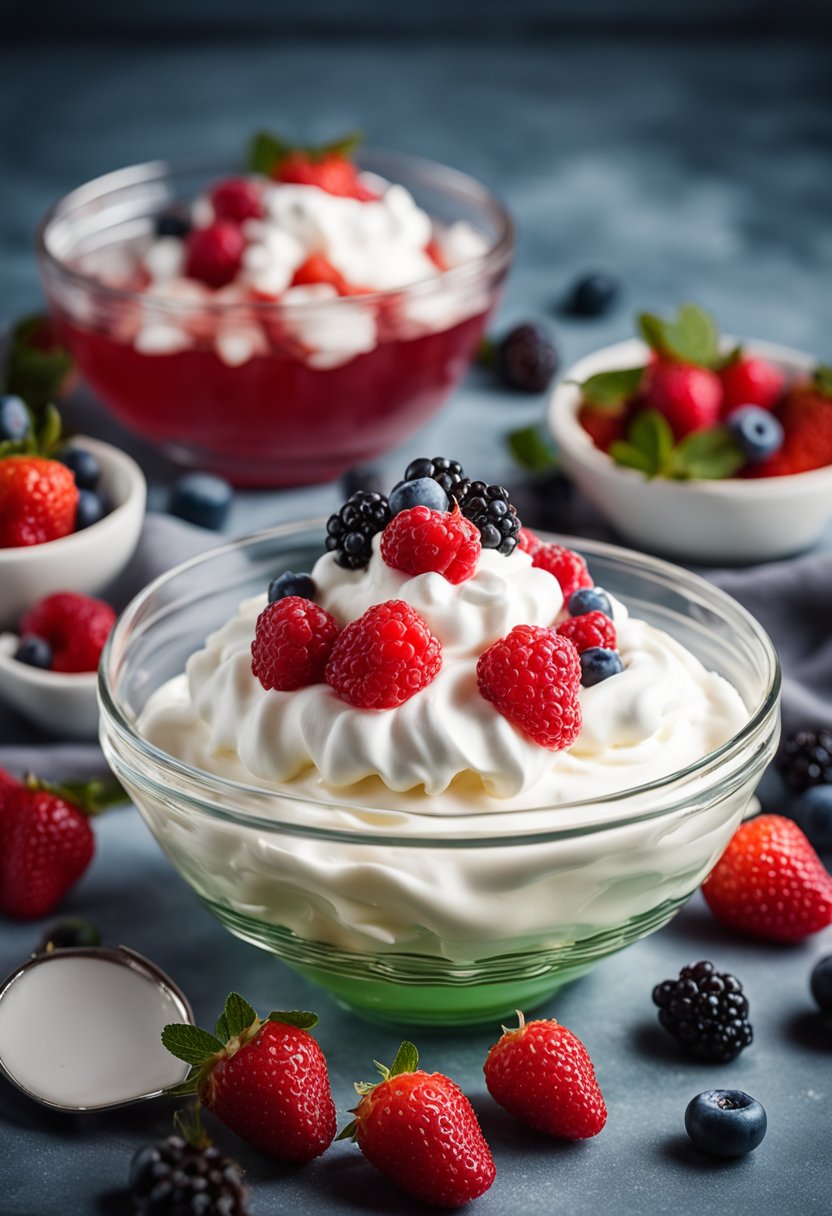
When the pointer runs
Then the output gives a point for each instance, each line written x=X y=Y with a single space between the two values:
x=699 y=446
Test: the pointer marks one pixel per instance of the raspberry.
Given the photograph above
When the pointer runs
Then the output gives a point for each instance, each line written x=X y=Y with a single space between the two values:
x=237 y=199
x=750 y=382
x=689 y=397
x=213 y=254
x=532 y=677
x=384 y=658
x=75 y=627
x=292 y=643
x=527 y=541
x=567 y=566
x=421 y=540
x=591 y=629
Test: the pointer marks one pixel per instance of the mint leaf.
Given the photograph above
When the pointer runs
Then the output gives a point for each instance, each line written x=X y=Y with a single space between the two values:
x=609 y=390
x=651 y=329
x=407 y=1060
x=822 y=379
x=630 y=457
x=706 y=455
x=348 y=1133
x=264 y=152
x=691 y=337
x=238 y=1014
x=221 y=1029
x=35 y=372
x=301 y=1018
x=531 y=450
x=189 y=1043
x=650 y=432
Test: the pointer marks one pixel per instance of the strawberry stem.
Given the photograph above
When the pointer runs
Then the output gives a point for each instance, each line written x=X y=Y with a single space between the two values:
x=92 y=797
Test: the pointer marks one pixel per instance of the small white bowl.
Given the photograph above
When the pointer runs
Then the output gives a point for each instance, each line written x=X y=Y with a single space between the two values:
x=85 y=561
x=60 y=703
x=731 y=521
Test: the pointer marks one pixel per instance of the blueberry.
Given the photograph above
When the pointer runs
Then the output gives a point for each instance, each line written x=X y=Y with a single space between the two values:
x=34 y=651
x=757 y=432
x=172 y=223
x=599 y=664
x=84 y=465
x=89 y=510
x=589 y=599
x=592 y=295
x=423 y=492
x=291 y=584
x=821 y=983
x=725 y=1122
x=69 y=933
x=526 y=358
x=15 y=421
x=362 y=477
x=201 y=498
x=813 y=814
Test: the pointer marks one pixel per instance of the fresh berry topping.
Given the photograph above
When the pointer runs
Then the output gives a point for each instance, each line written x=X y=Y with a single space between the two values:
x=690 y=398
x=806 y=759
x=89 y=511
x=589 y=599
x=756 y=432
x=266 y=1080
x=293 y=640
x=770 y=882
x=567 y=566
x=75 y=626
x=541 y=1073
x=34 y=652
x=725 y=1122
x=421 y=1132
x=318 y=269
x=84 y=464
x=331 y=172
x=69 y=934
x=489 y=508
x=751 y=382
x=420 y=540
x=532 y=677
x=291 y=584
x=592 y=296
x=349 y=534
x=820 y=983
x=174 y=1178
x=526 y=358
x=705 y=1010
x=813 y=814
x=47 y=846
x=38 y=499
x=237 y=199
x=528 y=541
x=590 y=630
x=172 y=223
x=598 y=663
x=213 y=254
x=447 y=473
x=384 y=658
x=15 y=420
x=806 y=418
x=202 y=499
x=421 y=492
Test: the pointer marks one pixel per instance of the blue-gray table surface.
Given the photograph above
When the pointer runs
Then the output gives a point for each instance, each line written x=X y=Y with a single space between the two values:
x=693 y=168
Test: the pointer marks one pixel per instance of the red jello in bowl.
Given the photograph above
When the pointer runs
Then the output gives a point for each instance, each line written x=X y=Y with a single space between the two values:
x=271 y=384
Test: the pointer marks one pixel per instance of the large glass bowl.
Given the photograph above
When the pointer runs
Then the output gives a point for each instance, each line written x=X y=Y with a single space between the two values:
x=277 y=418
x=434 y=918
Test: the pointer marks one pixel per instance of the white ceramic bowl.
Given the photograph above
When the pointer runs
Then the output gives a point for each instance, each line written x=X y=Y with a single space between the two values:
x=732 y=521
x=60 y=703
x=85 y=561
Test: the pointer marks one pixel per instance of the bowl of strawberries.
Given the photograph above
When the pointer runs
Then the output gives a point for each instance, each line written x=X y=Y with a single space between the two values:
x=700 y=446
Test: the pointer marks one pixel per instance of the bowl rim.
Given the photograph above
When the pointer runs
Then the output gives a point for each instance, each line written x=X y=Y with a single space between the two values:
x=112 y=716
x=112 y=457
x=458 y=183
x=569 y=435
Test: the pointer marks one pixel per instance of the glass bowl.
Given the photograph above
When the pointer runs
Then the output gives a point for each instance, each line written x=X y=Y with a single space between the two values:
x=434 y=918
x=278 y=417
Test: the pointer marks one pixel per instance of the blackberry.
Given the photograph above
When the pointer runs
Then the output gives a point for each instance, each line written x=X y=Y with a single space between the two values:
x=806 y=759
x=526 y=358
x=350 y=532
x=174 y=1178
x=490 y=509
x=705 y=1010
x=447 y=473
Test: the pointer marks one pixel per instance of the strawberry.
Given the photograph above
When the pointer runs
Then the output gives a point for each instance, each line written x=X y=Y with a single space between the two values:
x=806 y=418
x=330 y=171
x=265 y=1079
x=750 y=381
x=604 y=427
x=38 y=501
x=770 y=882
x=541 y=1072
x=47 y=844
x=689 y=397
x=421 y=1132
x=75 y=626
x=318 y=269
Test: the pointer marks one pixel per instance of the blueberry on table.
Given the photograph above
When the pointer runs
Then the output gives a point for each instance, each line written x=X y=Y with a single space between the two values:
x=821 y=983
x=421 y=492
x=34 y=652
x=89 y=510
x=202 y=499
x=598 y=663
x=291 y=584
x=756 y=431
x=526 y=358
x=589 y=599
x=85 y=466
x=592 y=295
x=725 y=1122
x=15 y=420
x=813 y=815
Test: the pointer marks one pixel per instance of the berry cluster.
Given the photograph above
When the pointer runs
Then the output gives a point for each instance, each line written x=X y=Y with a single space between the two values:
x=706 y=1011
x=175 y=1178
x=591 y=628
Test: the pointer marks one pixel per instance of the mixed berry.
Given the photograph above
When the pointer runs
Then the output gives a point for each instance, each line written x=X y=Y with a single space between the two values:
x=65 y=632
x=706 y=1011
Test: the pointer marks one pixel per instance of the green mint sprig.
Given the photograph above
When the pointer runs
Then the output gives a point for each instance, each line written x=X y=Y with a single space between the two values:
x=267 y=151
x=707 y=455
x=691 y=337
x=36 y=370
x=608 y=392
x=822 y=379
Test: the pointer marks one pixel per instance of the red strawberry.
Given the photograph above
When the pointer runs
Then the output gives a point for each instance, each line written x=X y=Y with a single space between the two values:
x=532 y=677
x=75 y=626
x=806 y=417
x=528 y=541
x=750 y=381
x=421 y=1132
x=603 y=426
x=331 y=172
x=237 y=199
x=7 y=785
x=384 y=658
x=770 y=882
x=318 y=269
x=46 y=845
x=38 y=500
x=567 y=566
x=292 y=644
x=689 y=397
x=589 y=629
x=266 y=1080
x=420 y=540
x=213 y=254
x=436 y=255
x=541 y=1073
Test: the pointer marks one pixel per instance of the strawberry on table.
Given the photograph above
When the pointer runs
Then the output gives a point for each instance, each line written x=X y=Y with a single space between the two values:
x=421 y=1132
x=267 y=1079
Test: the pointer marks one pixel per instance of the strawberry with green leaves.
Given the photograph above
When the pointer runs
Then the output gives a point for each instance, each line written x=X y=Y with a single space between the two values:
x=38 y=495
x=806 y=417
x=266 y=1079
x=327 y=166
